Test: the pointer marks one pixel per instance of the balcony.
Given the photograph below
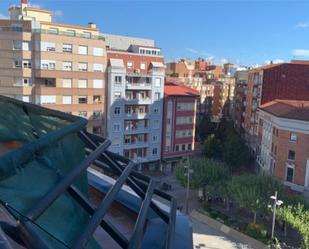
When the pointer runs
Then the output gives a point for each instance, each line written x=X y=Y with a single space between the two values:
x=130 y=116
x=138 y=86
x=138 y=101
x=136 y=130
x=136 y=145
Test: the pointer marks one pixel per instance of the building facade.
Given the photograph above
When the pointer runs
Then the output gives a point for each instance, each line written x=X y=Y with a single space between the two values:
x=135 y=84
x=283 y=142
x=275 y=81
x=58 y=66
x=179 y=119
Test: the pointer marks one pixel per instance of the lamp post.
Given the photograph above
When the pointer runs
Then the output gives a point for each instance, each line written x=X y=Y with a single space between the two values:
x=276 y=203
x=189 y=172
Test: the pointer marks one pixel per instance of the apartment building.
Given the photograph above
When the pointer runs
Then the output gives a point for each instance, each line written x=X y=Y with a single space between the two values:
x=274 y=81
x=58 y=66
x=241 y=78
x=216 y=87
x=283 y=142
x=179 y=119
x=135 y=84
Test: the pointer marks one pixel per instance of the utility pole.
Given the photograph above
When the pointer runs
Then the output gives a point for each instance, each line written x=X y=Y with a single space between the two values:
x=189 y=172
x=276 y=203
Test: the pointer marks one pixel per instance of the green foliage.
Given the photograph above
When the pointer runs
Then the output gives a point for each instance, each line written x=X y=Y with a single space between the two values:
x=298 y=217
x=207 y=172
x=205 y=128
x=212 y=147
x=253 y=191
x=258 y=232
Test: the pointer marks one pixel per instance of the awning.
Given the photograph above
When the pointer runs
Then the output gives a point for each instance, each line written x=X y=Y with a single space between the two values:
x=157 y=64
x=117 y=63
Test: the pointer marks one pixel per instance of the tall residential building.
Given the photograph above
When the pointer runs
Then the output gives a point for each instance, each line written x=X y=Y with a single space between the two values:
x=216 y=87
x=179 y=118
x=58 y=66
x=135 y=84
x=283 y=141
x=270 y=82
x=241 y=79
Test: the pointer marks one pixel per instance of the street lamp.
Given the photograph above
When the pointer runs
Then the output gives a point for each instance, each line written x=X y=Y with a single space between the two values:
x=189 y=172
x=276 y=203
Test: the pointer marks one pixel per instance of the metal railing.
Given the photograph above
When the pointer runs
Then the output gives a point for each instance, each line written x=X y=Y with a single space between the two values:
x=98 y=155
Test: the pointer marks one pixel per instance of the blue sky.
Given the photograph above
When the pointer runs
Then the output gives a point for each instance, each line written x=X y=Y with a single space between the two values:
x=242 y=32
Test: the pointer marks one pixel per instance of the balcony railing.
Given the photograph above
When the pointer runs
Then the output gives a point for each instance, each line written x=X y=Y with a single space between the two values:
x=138 y=85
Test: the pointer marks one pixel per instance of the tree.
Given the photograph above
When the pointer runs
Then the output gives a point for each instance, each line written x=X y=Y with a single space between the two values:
x=205 y=128
x=212 y=147
x=253 y=191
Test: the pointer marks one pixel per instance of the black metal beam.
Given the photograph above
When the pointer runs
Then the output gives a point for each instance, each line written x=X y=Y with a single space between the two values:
x=107 y=226
x=136 y=238
x=102 y=209
x=130 y=181
x=34 y=212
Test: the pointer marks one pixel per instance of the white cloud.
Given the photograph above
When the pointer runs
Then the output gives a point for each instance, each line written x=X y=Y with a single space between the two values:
x=58 y=13
x=302 y=25
x=2 y=16
x=300 y=52
x=34 y=5
x=192 y=50
x=200 y=53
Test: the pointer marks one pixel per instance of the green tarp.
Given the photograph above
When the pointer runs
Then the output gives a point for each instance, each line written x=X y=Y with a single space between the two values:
x=26 y=176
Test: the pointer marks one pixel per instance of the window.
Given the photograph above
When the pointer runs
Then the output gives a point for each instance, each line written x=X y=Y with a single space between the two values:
x=82 y=99
x=156 y=110
x=129 y=64
x=183 y=147
x=116 y=141
x=83 y=50
x=127 y=139
x=129 y=110
x=52 y=31
x=17 y=45
x=158 y=82
x=67 y=100
x=49 y=65
x=26 y=64
x=48 y=46
x=154 y=151
x=97 y=67
x=143 y=65
x=177 y=147
x=96 y=115
x=156 y=124
x=82 y=114
x=98 y=51
x=67 y=83
x=47 y=99
x=97 y=130
x=18 y=63
x=291 y=155
x=157 y=96
x=97 y=99
x=67 y=48
x=87 y=35
x=289 y=173
x=129 y=95
x=82 y=66
x=70 y=32
x=67 y=65
x=97 y=83
x=118 y=79
x=117 y=110
x=116 y=127
x=127 y=153
x=189 y=146
x=293 y=137
x=154 y=138
x=23 y=82
x=117 y=95
x=140 y=138
x=82 y=83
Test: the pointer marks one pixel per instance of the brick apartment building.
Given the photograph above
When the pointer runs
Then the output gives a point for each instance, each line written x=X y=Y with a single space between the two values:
x=56 y=65
x=275 y=81
x=283 y=140
x=135 y=83
x=179 y=118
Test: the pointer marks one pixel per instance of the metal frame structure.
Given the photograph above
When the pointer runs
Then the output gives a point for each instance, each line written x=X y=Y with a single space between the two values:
x=98 y=155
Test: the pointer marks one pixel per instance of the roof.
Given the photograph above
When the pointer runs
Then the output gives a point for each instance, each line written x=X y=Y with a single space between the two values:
x=116 y=63
x=178 y=89
x=266 y=67
x=290 y=109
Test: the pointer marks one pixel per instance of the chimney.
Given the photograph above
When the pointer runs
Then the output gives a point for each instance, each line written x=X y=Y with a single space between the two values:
x=24 y=1
x=92 y=25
